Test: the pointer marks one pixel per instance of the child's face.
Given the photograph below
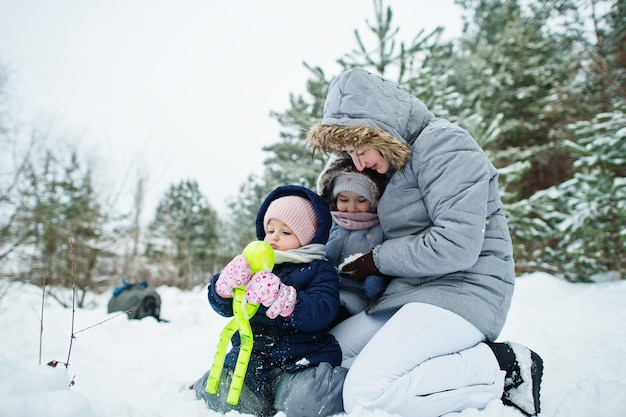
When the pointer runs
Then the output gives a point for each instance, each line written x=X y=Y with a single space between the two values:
x=352 y=202
x=280 y=236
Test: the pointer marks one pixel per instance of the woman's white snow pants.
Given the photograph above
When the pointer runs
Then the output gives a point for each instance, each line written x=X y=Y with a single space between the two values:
x=421 y=361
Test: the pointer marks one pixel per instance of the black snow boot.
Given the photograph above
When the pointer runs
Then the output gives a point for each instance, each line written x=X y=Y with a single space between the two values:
x=522 y=383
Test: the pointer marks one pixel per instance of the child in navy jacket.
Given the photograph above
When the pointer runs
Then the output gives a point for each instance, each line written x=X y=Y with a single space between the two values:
x=294 y=365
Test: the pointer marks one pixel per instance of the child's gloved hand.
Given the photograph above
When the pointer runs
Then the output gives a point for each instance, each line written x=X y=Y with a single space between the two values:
x=237 y=272
x=267 y=289
x=374 y=285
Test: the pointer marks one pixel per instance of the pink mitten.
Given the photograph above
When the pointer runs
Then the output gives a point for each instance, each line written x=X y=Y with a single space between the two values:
x=284 y=303
x=267 y=289
x=237 y=272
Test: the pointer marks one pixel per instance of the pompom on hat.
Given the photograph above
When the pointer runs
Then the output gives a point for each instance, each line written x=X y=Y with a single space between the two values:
x=357 y=183
x=297 y=213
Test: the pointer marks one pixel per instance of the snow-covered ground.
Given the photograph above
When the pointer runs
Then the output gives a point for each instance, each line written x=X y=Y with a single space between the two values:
x=141 y=368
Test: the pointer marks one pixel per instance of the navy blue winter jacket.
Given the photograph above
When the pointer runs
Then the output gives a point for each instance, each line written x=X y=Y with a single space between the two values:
x=301 y=339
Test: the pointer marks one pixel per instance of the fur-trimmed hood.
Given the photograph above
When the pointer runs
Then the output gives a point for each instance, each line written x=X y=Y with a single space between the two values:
x=341 y=165
x=363 y=110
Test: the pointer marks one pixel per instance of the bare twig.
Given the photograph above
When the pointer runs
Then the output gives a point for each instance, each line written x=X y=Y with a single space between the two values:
x=69 y=228
x=103 y=321
x=43 y=297
x=54 y=363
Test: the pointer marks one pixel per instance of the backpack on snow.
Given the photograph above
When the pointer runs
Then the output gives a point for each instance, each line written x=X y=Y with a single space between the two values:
x=136 y=299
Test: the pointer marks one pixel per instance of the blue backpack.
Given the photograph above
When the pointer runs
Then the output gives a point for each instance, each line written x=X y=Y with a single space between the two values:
x=136 y=299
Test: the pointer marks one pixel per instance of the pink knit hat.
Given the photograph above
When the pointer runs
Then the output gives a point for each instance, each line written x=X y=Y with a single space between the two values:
x=297 y=213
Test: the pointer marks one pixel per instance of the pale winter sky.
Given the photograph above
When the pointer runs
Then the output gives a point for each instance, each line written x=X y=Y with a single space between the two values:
x=181 y=89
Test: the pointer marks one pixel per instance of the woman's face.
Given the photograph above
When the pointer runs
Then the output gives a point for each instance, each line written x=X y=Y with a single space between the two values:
x=368 y=158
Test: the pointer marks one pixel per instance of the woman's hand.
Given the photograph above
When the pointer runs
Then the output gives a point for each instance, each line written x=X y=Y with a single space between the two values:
x=360 y=268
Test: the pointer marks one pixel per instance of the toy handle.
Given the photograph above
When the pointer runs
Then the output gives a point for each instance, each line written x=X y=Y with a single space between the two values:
x=242 y=311
x=260 y=256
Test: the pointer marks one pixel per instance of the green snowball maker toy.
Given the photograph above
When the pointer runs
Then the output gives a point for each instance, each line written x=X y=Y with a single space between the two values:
x=260 y=256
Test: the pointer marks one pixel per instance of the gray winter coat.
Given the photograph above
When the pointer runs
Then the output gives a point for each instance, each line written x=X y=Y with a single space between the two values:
x=447 y=240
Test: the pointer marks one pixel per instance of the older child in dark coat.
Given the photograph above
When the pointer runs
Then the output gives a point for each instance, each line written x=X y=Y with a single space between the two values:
x=294 y=363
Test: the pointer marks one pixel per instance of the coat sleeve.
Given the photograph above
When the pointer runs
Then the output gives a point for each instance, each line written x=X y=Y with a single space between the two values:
x=318 y=302
x=453 y=175
x=222 y=306
x=335 y=244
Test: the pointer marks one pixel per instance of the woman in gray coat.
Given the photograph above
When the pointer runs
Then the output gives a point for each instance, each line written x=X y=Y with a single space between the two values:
x=427 y=347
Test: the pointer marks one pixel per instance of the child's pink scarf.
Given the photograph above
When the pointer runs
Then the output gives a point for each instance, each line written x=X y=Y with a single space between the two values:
x=355 y=221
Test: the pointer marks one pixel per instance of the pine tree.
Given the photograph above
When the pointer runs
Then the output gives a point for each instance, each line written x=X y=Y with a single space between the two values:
x=290 y=161
x=59 y=204
x=184 y=235
x=522 y=73
x=583 y=217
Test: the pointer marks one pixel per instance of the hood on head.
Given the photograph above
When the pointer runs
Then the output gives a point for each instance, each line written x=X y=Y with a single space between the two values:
x=341 y=165
x=320 y=206
x=335 y=138
x=363 y=110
